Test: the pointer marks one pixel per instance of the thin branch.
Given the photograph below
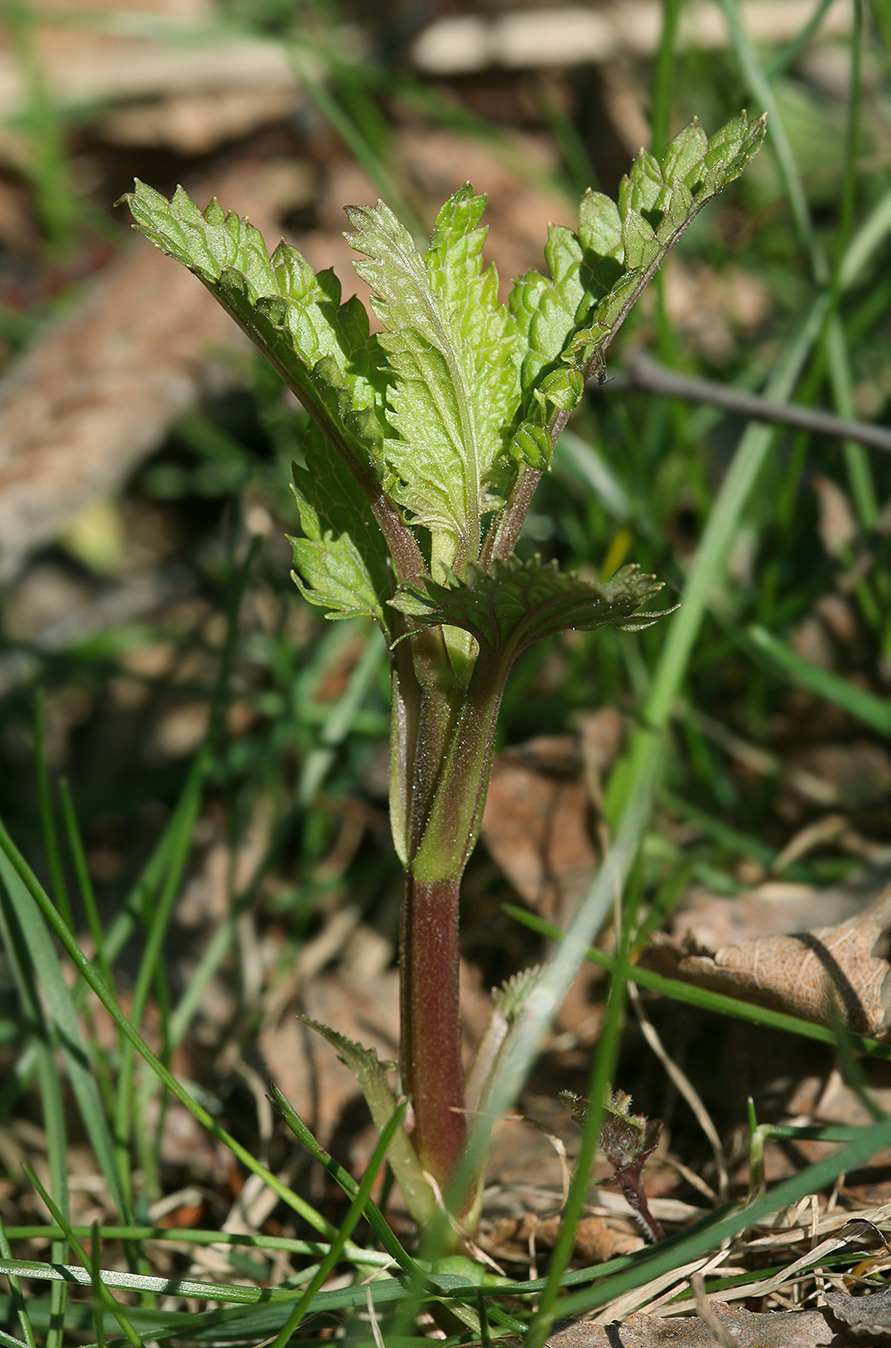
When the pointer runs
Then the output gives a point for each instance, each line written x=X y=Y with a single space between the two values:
x=505 y=528
x=643 y=373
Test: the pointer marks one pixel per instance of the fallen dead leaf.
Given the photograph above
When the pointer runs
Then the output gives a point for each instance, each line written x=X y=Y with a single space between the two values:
x=777 y=907
x=808 y=973
x=868 y=1317
x=594 y=1242
x=535 y=823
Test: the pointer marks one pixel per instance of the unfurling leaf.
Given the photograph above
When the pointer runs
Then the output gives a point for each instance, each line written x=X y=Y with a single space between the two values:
x=319 y=346
x=569 y=319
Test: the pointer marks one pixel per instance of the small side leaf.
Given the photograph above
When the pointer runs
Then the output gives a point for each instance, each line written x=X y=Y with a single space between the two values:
x=371 y=1075
x=626 y=1140
x=518 y=603
x=508 y=1004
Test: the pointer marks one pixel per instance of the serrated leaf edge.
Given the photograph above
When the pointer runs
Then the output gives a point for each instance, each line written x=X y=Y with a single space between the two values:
x=370 y=1072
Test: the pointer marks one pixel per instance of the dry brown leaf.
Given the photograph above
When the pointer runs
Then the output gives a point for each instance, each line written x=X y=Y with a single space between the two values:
x=710 y=309
x=777 y=907
x=196 y=123
x=538 y=821
x=594 y=1241
x=535 y=823
x=867 y=1317
x=808 y=974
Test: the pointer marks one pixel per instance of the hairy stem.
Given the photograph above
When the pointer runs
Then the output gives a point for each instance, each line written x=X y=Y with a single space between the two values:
x=432 y=1068
x=438 y=784
x=505 y=528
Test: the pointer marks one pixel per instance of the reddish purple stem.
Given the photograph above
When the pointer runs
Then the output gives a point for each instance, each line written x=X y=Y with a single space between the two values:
x=432 y=1067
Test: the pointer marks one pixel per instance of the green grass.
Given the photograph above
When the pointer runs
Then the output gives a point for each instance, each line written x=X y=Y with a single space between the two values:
x=724 y=512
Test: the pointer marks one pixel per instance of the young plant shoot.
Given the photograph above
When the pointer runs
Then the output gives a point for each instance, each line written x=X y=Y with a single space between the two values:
x=425 y=445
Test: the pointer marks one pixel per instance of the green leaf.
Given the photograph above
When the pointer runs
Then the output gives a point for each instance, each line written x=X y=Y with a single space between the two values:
x=440 y=414
x=452 y=350
x=371 y=1075
x=341 y=562
x=319 y=346
x=48 y=1005
x=656 y=204
x=518 y=603
x=569 y=318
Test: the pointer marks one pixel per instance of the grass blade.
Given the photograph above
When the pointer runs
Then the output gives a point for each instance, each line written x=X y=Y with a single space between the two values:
x=782 y=660
x=39 y=967
x=347 y=1226
x=13 y=862
x=344 y=1179
x=101 y=1296
x=17 y=1297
